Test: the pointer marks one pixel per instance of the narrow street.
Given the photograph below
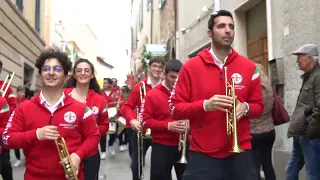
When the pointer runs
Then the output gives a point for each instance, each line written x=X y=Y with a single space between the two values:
x=113 y=168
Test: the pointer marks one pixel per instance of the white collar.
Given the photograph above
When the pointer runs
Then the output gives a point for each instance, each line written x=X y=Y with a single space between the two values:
x=216 y=60
x=150 y=83
x=43 y=100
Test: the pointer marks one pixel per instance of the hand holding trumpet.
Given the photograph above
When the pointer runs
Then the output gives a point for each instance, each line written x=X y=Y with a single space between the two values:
x=218 y=102
x=177 y=126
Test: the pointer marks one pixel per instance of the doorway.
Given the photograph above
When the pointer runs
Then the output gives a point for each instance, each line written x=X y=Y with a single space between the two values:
x=257 y=39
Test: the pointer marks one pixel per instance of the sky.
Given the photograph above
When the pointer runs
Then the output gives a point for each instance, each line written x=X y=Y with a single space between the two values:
x=110 y=21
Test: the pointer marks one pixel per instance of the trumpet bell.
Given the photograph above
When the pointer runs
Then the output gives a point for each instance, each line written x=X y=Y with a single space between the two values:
x=148 y=134
x=183 y=160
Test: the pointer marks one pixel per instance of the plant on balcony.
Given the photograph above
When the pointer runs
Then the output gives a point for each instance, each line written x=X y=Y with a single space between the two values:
x=146 y=55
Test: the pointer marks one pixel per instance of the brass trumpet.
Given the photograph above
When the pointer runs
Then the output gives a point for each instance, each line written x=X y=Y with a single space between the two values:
x=231 y=117
x=67 y=164
x=147 y=134
x=183 y=143
x=142 y=91
x=6 y=84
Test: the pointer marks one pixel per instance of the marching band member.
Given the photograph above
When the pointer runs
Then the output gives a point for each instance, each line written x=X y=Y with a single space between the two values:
x=200 y=96
x=5 y=154
x=155 y=69
x=35 y=124
x=108 y=93
x=11 y=99
x=127 y=132
x=83 y=87
x=165 y=130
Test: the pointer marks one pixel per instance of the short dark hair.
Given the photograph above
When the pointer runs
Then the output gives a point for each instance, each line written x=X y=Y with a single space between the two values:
x=50 y=54
x=216 y=14
x=125 y=89
x=93 y=84
x=108 y=79
x=173 y=65
x=156 y=60
x=20 y=88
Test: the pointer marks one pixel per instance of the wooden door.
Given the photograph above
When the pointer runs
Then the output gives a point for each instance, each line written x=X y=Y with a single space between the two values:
x=258 y=50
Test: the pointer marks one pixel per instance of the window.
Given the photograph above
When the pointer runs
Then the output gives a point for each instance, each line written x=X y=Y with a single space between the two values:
x=160 y=3
x=37 y=17
x=19 y=4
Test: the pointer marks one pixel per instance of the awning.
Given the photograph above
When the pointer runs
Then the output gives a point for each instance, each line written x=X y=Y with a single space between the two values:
x=157 y=49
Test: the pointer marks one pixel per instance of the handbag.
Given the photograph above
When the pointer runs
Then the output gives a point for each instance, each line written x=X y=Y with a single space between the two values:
x=279 y=112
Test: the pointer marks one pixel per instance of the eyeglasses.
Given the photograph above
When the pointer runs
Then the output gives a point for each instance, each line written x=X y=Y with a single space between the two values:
x=55 y=68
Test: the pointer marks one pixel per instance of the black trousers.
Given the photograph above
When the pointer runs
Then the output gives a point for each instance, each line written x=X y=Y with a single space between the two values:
x=235 y=167
x=113 y=137
x=129 y=132
x=262 y=153
x=134 y=154
x=6 y=168
x=91 y=167
x=163 y=158
x=122 y=137
x=103 y=143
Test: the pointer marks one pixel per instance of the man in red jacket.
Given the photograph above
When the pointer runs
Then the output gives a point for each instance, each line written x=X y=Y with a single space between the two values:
x=165 y=130
x=53 y=115
x=128 y=110
x=200 y=96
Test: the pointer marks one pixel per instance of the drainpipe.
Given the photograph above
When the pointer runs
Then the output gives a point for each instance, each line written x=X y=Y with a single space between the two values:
x=269 y=29
x=151 y=22
x=175 y=8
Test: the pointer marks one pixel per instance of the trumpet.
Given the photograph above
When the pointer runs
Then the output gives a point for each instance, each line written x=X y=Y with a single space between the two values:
x=183 y=143
x=147 y=134
x=142 y=91
x=140 y=149
x=6 y=84
x=67 y=164
x=231 y=118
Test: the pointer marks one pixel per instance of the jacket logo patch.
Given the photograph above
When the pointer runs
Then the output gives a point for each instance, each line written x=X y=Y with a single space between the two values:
x=237 y=78
x=95 y=110
x=70 y=117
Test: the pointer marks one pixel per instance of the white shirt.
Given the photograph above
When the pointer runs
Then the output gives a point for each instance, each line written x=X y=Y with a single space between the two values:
x=150 y=83
x=51 y=108
x=217 y=61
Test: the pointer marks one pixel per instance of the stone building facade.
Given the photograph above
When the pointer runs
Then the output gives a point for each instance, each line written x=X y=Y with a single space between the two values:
x=20 y=41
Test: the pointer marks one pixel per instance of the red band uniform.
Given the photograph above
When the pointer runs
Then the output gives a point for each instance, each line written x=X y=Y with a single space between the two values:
x=75 y=123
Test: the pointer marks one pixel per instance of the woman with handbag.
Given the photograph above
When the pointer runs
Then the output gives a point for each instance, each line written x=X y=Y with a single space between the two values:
x=262 y=130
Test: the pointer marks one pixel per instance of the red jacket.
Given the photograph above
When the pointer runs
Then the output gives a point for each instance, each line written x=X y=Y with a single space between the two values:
x=4 y=114
x=99 y=107
x=10 y=97
x=111 y=98
x=194 y=85
x=155 y=114
x=128 y=109
x=75 y=123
